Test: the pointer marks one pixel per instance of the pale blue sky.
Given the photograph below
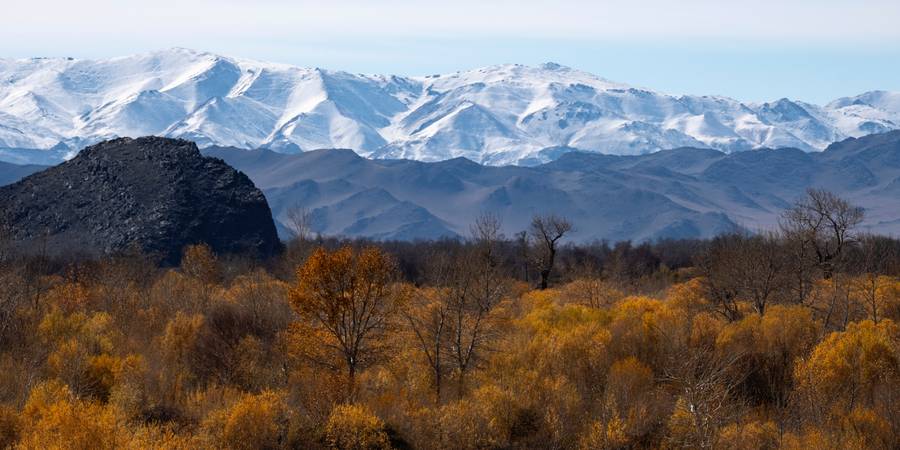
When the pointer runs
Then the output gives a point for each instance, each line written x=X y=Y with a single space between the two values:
x=751 y=50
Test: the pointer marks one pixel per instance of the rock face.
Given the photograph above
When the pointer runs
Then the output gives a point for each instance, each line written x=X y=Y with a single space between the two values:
x=159 y=194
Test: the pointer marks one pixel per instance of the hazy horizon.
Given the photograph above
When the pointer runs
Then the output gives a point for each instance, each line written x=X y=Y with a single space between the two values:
x=811 y=51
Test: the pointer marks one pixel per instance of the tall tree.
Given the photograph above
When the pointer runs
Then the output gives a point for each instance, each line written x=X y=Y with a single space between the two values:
x=547 y=231
x=428 y=317
x=875 y=257
x=743 y=267
x=346 y=297
x=825 y=224
x=299 y=222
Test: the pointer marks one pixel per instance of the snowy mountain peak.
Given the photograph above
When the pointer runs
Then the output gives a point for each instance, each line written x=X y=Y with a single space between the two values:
x=502 y=114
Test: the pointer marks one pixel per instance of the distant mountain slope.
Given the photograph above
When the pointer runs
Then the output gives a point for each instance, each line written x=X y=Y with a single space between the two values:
x=684 y=192
x=10 y=173
x=506 y=114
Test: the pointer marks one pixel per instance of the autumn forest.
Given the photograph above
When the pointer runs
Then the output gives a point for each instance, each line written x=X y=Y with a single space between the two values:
x=785 y=338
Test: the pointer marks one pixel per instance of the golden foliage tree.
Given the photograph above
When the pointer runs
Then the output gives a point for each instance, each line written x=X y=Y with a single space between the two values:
x=199 y=261
x=346 y=302
x=853 y=367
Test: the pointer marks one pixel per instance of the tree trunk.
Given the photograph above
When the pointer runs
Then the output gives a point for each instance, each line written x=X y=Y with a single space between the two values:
x=545 y=275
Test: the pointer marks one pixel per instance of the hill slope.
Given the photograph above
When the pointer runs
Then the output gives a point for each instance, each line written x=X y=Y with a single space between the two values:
x=159 y=194
x=684 y=192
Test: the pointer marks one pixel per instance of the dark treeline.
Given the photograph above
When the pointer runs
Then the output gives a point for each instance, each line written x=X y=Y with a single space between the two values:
x=819 y=234
x=640 y=265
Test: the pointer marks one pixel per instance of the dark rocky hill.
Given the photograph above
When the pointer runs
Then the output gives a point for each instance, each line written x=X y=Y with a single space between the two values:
x=159 y=194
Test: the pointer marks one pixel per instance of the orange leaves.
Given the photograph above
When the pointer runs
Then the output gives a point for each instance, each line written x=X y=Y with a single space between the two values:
x=859 y=428
x=253 y=422
x=600 y=435
x=788 y=330
x=81 y=351
x=346 y=297
x=179 y=337
x=852 y=365
x=485 y=419
x=644 y=327
x=633 y=402
x=68 y=296
x=353 y=427
x=347 y=357
x=785 y=332
x=199 y=261
x=569 y=340
x=55 y=418
x=591 y=292
x=332 y=283
x=754 y=435
x=688 y=296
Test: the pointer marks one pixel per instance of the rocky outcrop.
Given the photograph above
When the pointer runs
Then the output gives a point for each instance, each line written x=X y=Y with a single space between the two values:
x=154 y=193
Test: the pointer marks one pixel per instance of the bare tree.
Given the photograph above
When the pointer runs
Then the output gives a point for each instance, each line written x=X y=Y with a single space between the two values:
x=707 y=393
x=523 y=253
x=874 y=259
x=428 y=317
x=452 y=321
x=487 y=229
x=299 y=222
x=489 y=280
x=547 y=230
x=13 y=296
x=825 y=224
x=741 y=267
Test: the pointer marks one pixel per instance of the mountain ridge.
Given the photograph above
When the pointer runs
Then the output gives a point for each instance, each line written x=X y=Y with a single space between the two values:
x=613 y=197
x=685 y=192
x=496 y=115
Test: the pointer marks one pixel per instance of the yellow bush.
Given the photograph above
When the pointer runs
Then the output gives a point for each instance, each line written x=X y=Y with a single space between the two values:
x=68 y=296
x=631 y=398
x=688 y=296
x=568 y=341
x=647 y=328
x=863 y=428
x=54 y=418
x=683 y=429
x=464 y=427
x=591 y=292
x=750 y=436
x=254 y=422
x=199 y=262
x=705 y=330
x=602 y=436
x=353 y=427
x=860 y=429
x=850 y=366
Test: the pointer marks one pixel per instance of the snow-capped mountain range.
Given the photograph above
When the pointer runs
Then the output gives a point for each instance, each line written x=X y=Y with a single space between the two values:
x=505 y=114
